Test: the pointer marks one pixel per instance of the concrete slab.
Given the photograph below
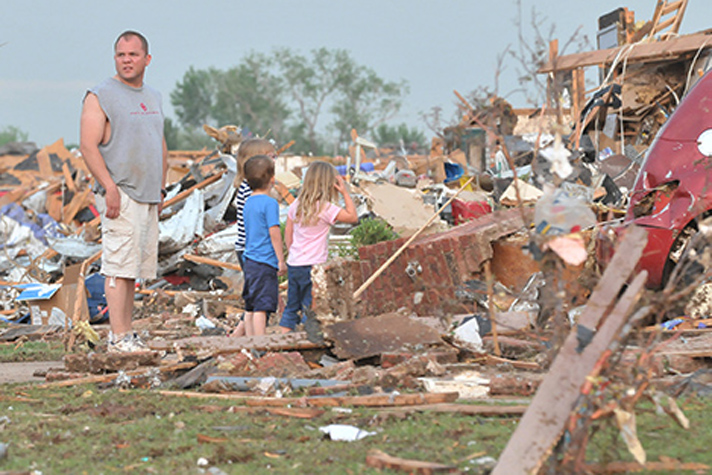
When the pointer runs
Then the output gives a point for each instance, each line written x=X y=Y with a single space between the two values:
x=23 y=372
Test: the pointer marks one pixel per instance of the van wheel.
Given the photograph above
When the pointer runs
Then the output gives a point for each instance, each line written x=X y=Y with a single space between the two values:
x=690 y=256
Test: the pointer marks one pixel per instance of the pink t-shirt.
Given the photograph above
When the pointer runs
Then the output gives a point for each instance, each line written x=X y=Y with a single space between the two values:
x=310 y=244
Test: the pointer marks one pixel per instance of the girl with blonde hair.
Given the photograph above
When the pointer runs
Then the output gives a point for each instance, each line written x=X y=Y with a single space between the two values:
x=309 y=220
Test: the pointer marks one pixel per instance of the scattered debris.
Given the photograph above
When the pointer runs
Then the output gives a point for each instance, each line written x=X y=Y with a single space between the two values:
x=524 y=243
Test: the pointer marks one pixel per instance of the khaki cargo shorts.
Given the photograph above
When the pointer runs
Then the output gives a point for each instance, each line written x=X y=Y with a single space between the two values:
x=130 y=242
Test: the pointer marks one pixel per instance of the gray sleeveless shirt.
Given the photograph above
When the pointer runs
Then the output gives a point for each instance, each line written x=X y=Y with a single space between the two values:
x=134 y=152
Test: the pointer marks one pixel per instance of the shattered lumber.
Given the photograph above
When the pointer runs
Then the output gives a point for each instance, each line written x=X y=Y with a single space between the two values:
x=374 y=400
x=226 y=344
x=98 y=363
x=381 y=460
x=544 y=422
x=471 y=409
x=639 y=52
x=105 y=378
x=211 y=262
x=671 y=466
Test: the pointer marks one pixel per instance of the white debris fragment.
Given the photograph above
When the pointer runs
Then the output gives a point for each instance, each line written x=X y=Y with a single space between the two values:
x=345 y=432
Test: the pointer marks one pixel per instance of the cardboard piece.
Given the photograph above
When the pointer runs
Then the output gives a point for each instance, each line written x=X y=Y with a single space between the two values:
x=52 y=304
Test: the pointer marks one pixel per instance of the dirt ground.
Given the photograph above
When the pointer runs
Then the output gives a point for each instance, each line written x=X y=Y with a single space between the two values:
x=24 y=372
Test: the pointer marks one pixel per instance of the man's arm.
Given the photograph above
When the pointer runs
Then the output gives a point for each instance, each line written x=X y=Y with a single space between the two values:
x=92 y=127
x=165 y=164
x=163 y=175
x=276 y=236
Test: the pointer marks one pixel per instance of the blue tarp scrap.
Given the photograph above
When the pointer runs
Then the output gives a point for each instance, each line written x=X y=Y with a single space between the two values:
x=36 y=291
x=45 y=225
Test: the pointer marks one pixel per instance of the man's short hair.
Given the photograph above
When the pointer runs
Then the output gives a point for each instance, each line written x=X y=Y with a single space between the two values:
x=127 y=33
x=259 y=170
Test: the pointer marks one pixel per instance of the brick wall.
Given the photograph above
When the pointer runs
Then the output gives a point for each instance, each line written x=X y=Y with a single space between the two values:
x=441 y=262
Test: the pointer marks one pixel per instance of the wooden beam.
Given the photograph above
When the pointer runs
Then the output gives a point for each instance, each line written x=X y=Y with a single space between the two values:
x=79 y=202
x=671 y=49
x=544 y=422
x=373 y=400
x=105 y=378
x=382 y=460
x=211 y=262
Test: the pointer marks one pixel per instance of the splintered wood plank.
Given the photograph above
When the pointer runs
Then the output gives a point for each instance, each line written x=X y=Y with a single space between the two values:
x=44 y=164
x=471 y=409
x=693 y=347
x=543 y=423
x=298 y=412
x=102 y=362
x=79 y=202
x=373 y=400
x=105 y=378
x=641 y=52
x=68 y=180
x=366 y=337
x=226 y=344
x=381 y=460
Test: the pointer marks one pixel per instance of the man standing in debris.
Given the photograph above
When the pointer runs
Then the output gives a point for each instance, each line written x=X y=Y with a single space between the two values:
x=122 y=142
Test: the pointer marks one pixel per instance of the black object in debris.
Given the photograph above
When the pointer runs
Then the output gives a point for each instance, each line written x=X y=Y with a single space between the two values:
x=584 y=335
x=84 y=215
x=534 y=250
x=313 y=328
x=613 y=193
x=484 y=324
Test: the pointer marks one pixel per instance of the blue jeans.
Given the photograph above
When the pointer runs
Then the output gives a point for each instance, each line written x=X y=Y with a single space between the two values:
x=299 y=296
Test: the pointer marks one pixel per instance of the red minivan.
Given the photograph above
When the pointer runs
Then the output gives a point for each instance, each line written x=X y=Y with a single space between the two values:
x=673 y=190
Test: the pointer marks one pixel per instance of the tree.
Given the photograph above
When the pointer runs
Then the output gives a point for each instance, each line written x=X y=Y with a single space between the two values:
x=312 y=82
x=390 y=136
x=533 y=52
x=194 y=97
x=253 y=97
x=12 y=134
x=285 y=95
x=365 y=102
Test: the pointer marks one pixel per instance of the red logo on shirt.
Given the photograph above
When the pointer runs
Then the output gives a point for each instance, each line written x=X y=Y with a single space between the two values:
x=143 y=106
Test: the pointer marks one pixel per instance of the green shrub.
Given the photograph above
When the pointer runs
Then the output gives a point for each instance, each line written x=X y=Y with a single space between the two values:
x=372 y=231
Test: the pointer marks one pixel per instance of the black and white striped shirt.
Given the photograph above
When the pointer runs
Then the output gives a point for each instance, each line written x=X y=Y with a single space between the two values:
x=243 y=192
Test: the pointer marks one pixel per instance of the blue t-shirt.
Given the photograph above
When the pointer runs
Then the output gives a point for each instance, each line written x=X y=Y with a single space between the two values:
x=261 y=213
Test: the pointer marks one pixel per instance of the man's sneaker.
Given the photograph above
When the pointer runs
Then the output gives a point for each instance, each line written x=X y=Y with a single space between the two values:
x=127 y=344
x=138 y=341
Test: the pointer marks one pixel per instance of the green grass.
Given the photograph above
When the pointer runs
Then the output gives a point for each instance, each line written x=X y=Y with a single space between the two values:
x=31 y=351
x=85 y=430
x=88 y=430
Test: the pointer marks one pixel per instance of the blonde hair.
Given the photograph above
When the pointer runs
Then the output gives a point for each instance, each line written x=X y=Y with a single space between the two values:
x=317 y=190
x=248 y=149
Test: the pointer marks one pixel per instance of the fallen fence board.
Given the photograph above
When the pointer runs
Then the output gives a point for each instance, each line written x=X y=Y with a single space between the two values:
x=374 y=400
x=543 y=423
x=381 y=460
x=226 y=344
x=640 y=52
x=471 y=409
x=104 y=378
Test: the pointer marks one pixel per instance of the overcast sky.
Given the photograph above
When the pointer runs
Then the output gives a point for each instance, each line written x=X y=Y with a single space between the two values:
x=53 y=50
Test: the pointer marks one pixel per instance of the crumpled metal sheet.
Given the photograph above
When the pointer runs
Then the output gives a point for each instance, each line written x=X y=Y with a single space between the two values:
x=178 y=231
x=74 y=246
x=220 y=242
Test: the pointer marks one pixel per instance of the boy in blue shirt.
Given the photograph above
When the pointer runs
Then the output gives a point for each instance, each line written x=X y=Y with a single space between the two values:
x=263 y=256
